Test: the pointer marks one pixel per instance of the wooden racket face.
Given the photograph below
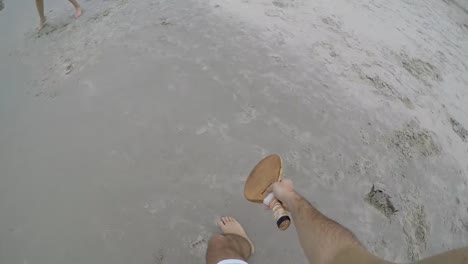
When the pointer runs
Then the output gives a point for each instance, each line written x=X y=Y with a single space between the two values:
x=267 y=172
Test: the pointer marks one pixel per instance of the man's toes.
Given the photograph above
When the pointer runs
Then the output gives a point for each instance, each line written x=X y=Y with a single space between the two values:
x=225 y=220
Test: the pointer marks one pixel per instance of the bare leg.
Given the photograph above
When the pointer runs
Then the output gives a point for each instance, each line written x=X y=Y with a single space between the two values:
x=78 y=10
x=322 y=239
x=233 y=244
x=458 y=256
x=40 y=10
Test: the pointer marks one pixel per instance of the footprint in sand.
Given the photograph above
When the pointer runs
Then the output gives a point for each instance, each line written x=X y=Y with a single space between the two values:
x=416 y=231
x=459 y=129
x=159 y=256
x=381 y=201
x=248 y=114
x=412 y=140
x=419 y=69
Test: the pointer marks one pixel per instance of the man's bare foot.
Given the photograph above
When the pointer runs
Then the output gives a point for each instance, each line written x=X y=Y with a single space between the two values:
x=78 y=12
x=229 y=225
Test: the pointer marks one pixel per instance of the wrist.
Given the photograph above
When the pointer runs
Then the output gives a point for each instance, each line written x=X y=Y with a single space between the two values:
x=292 y=198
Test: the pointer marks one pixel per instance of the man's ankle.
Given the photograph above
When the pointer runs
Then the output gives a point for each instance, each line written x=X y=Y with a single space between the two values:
x=242 y=245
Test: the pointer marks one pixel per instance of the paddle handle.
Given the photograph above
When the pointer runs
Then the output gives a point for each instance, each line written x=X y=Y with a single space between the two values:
x=279 y=213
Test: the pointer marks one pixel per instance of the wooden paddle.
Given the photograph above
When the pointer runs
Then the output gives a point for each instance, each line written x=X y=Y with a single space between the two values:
x=268 y=171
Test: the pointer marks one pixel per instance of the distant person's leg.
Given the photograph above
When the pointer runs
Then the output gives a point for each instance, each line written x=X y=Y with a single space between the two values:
x=457 y=256
x=40 y=10
x=78 y=10
x=233 y=246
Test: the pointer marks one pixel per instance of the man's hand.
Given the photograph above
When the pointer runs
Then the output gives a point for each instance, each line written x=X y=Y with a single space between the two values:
x=284 y=192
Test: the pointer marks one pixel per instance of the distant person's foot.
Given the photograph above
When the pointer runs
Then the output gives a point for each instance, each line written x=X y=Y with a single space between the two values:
x=78 y=12
x=42 y=24
x=229 y=225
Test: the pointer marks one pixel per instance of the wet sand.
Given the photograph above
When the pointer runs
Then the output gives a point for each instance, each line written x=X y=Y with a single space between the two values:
x=125 y=133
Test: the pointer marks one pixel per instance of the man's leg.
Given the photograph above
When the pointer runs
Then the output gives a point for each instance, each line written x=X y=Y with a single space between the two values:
x=232 y=244
x=40 y=10
x=78 y=10
x=323 y=240
x=457 y=256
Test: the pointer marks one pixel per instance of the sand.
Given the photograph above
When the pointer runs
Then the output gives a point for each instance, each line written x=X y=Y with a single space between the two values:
x=125 y=133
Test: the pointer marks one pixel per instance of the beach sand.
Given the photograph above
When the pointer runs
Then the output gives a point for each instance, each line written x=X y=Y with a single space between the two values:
x=125 y=133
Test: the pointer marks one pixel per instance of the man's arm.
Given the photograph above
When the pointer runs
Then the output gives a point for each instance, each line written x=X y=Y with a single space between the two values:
x=323 y=240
